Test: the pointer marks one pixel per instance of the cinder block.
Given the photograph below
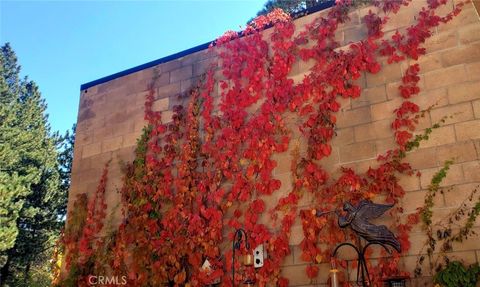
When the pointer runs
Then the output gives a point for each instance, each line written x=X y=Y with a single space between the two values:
x=168 y=90
x=417 y=239
x=473 y=71
x=91 y=149
x=158 y=80
x=467 y=130
x=83 y=138
x=470 y=170
x=409 y=183
x=160 y=105
x=404 y=17
x=386 y=109
x=440 y=136
x=202 y=67
x=354 y=20
x=470 y=245
x=122 y=128
x=343 y=136
x=117 y=116
x=89 y=176
x=416 y=199
x=130 y=139
x=371 y=96
x=300 y=67
x=112 y=144
x=297 y=276
x=423 y=158
x=469 y=34
x=125 y=154
x=345 y=103
x=357 y=151
x=298 y=78
x=385 y=144
x=371 y=131
x=408 y=264
x=466 y=17
x=445 y=77
x=454 y=176
x=441 y=41
x=167 y=116
x=353 y=117
x=180 y=74
x=459 y=194
x=170 y=66
x=355 y=34
x=392 y=90
x=463 y=54
x=288 y=260
x=296 y=234
x=186 y=85
x=388 y=73
x=459 y=152
x=464 y=92
x=427 y=63
x=431 y=99
x=101 y=133
x=284 y=163
x=476 y=109
x=456 y=113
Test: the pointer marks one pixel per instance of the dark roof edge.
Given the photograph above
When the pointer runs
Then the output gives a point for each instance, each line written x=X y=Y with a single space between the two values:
x=192 y=50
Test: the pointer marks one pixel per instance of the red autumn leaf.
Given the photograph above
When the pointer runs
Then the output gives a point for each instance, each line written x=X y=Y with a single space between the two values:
x=312 y=271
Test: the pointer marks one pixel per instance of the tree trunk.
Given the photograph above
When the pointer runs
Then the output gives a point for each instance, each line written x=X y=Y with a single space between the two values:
x=26 y=273
x=4 y=272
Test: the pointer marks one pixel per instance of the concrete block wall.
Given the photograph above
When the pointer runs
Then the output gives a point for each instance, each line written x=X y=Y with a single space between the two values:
x=111 y=118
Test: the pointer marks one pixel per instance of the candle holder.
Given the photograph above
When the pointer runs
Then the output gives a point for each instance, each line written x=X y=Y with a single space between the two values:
x=334 y=282
x=336 y=277
x=237 y=243
x=248 y=260
x=248 y=282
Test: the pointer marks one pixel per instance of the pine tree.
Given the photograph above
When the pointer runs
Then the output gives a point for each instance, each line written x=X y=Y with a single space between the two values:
x=33 y=194
x=289 y=6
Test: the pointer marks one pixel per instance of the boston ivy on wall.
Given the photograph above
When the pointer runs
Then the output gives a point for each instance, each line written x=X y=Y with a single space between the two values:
x=206 y=173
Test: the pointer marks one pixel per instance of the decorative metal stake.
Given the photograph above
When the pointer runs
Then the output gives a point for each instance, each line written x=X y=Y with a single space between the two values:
x=237 y=242
x=362 y=271
x=357 y=218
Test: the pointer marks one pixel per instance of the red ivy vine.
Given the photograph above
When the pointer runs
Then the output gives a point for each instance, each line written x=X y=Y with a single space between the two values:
x=207 y=172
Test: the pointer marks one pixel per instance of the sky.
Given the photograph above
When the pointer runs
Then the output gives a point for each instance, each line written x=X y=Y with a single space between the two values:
x=63 y=44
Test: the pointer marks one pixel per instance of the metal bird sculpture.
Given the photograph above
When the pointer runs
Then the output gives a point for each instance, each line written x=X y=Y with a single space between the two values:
x=357 y=217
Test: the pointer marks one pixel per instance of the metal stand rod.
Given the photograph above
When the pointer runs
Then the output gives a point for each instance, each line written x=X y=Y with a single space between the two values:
x=237 y=242
x=363 y=276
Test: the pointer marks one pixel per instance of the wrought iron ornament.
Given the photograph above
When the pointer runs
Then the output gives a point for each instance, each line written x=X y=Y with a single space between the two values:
x=358 y=219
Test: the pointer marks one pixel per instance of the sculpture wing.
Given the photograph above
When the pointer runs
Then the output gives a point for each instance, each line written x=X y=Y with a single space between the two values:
x=368 y=210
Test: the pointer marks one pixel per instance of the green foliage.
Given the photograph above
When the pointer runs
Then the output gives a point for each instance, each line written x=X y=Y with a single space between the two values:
x=295 y=6
x=455 y=274
x=33 y=191
x=289 y=6
x=437 y=178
